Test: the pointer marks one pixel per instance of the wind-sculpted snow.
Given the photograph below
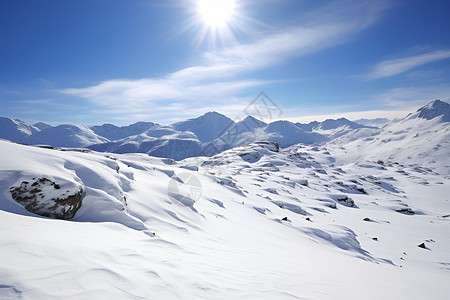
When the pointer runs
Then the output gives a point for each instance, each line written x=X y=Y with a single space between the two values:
x=355 y=220
x=264 y=217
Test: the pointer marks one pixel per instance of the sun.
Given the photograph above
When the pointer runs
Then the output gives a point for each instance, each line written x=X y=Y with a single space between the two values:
x=214 y=22
x=216 y=13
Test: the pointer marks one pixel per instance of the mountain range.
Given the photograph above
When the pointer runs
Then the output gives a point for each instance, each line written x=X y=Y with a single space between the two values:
x=208 y=134
x=325 y=210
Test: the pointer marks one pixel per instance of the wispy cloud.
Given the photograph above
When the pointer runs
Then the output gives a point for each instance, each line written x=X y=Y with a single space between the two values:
x=226 y=74
x=391 y=103
x=412 y=96
x=395 y=66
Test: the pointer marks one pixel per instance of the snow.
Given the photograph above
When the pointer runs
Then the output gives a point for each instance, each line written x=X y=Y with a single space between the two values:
x=65 y=136
x=159 y=141
x=15 y=130
x=42 y=126
x=415 y=139
x=206 y=127
x=432 y=110
x=254 y=222
x=112 y=132
x=287 y=134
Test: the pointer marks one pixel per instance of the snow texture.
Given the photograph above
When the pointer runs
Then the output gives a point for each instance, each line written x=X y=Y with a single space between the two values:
x=363 y=216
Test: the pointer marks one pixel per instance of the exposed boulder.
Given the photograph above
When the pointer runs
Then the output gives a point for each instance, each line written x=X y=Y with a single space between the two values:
x=46 y=198
x=406 y=211
x=422 y=246
x=286 y=219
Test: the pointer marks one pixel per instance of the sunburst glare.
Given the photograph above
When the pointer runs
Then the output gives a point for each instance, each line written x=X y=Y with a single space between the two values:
x=216 y=13
x=215 y=21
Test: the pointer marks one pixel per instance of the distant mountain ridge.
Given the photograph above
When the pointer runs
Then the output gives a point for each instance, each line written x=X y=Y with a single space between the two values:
x=113 y=132
x=205 y=135
x=434 y=109
x=65 y=136
x=15 y=130
x=206 y=127
x=378 y=122
x=421 y=137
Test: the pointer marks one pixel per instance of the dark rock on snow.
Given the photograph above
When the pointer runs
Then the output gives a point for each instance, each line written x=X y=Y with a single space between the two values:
x=39 y=198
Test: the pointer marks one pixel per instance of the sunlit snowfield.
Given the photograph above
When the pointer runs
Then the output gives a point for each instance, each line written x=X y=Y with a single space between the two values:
x=338 y=220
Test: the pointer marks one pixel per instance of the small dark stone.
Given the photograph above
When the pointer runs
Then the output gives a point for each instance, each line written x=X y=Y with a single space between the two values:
x=367 y=219
x=361 y=190
x=284 y=219
x=375 y=239
x=422 y=246
x=308 y=219
x=407 y=211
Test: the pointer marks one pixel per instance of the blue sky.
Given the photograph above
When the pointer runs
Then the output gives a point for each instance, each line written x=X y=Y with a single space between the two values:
x=92 y=62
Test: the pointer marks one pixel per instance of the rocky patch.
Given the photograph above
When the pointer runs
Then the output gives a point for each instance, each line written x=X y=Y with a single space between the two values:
x=46 y=198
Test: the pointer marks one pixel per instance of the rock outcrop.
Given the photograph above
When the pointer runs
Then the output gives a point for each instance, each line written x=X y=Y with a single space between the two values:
x=46 y=198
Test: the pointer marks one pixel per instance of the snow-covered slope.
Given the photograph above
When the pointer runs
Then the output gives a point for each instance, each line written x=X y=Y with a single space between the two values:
x=65 y=136
x=42 y=125
x=334 y=128
x=421 y=138
x=207 y=127
x=436 y=109
x=251 y=130
x=193 y=137
x=112 y=132
x=254 y=222
x=159 y=141
x=331 y=128
x=206 y=135
x=212 y=133
x=287 y=134
x=15 y=130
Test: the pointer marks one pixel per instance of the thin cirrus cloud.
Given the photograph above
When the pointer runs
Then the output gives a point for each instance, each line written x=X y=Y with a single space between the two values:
x=392 y=67
x=221 y=76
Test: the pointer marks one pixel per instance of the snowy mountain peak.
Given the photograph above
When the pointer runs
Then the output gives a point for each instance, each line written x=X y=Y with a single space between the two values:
x=15 y=130
x=213 y=114
x=253 y=122
x=333 y=124
x=206 y=127
x=42 y=126
x=434 y=109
